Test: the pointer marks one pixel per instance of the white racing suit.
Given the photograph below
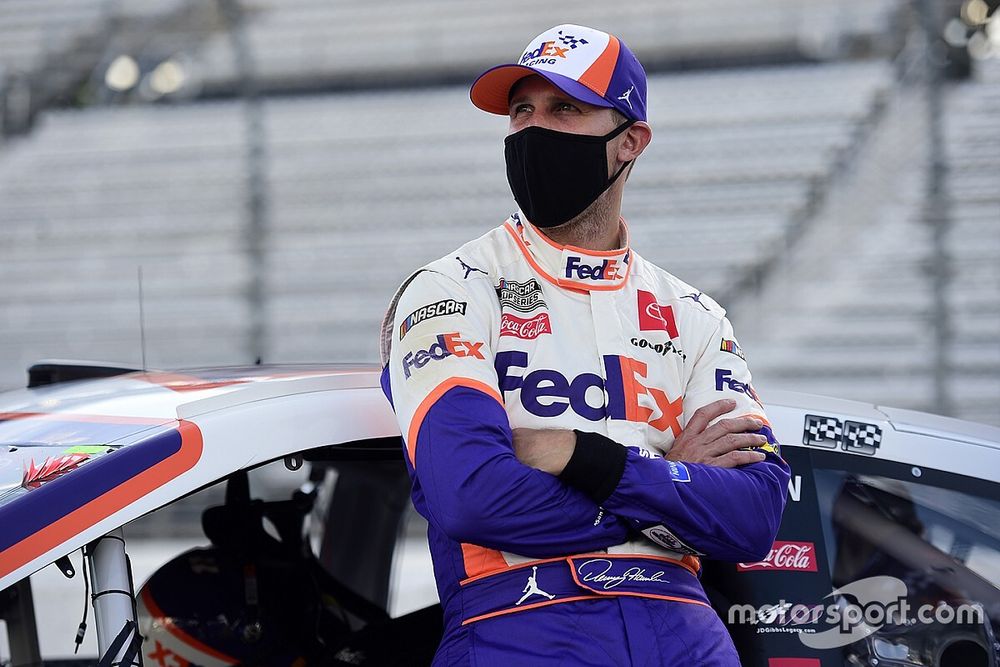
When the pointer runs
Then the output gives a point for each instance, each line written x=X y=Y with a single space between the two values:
x=599 y=565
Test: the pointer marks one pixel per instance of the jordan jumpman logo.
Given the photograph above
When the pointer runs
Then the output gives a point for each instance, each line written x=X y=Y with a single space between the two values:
x=531 y=588
x=625 y=97
x=696 y=297
x=469 y=269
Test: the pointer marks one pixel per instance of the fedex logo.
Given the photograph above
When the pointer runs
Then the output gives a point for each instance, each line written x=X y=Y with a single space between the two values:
x=606 y=270
x=724 y=380
x=546 y=50
x=653 y=316
x=447 y=345
x=548 y=393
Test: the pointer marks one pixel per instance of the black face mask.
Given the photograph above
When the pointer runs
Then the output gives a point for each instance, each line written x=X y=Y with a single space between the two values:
x=554 y=175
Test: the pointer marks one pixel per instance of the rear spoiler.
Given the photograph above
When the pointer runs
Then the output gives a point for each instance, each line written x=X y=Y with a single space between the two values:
x=53 y=371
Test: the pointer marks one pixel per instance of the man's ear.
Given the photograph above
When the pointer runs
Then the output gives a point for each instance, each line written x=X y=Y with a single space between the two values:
x=635 y=140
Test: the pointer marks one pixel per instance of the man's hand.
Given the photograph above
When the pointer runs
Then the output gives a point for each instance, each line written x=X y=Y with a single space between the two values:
x=547 y=450
x=719 y=444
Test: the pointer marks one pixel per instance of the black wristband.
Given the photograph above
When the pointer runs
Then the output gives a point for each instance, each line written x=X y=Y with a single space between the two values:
x=596 y=466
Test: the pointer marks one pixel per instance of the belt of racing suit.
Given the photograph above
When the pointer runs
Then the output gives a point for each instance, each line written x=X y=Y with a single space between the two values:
x=581 y=577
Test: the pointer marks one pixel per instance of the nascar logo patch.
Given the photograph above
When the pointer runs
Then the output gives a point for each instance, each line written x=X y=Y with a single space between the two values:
x=436 y=309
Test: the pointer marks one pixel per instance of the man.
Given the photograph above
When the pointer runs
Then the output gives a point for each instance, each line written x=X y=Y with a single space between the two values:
x=574 y=538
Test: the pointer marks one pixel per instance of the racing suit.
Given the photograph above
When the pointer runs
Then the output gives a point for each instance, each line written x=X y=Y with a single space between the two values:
x=599 y=565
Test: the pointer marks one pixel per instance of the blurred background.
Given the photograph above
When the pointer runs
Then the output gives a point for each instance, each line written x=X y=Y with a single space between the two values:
x=829 y=171
x=251 y=179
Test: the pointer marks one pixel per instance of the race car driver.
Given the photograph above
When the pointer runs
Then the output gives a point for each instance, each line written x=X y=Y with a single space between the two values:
x=580 y=425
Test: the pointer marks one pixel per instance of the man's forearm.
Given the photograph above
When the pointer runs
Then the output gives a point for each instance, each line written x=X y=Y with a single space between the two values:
x=478 y=492
x=727 y=513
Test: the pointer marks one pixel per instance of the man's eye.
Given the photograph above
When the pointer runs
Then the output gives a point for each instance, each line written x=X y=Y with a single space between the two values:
x=565 y=106
x=520 y=108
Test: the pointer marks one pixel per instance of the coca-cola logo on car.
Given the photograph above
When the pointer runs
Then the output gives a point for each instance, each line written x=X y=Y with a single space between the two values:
x=512 y=325
x=798 y=556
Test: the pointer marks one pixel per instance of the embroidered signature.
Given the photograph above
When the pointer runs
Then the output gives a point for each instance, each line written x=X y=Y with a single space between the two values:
x=595 y=574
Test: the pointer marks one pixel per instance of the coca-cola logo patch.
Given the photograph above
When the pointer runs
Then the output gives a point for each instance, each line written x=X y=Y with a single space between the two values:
x=785 y=556
x=528 y=329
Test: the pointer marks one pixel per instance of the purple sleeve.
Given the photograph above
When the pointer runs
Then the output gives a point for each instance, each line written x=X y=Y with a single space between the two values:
x=725 y=513
x=473 y=488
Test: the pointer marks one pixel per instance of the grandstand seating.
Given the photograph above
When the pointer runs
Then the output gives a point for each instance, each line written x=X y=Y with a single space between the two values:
x=858 y=322
x=301 y=40
x=32 y=31
x=30 y=28
x=306 y=44
x=362 y=188
x=973 y=243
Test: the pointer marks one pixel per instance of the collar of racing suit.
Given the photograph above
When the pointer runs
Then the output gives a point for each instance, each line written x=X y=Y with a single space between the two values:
x=568 y=266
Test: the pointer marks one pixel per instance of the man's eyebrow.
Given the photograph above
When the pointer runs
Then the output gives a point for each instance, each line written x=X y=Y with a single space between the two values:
x=521 y=96
x=551 y=98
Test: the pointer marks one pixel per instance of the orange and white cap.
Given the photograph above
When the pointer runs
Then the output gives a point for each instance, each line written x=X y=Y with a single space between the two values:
x=586 y=64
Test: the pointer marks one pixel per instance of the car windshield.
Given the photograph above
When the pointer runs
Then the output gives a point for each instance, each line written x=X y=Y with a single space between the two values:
x=941 y=542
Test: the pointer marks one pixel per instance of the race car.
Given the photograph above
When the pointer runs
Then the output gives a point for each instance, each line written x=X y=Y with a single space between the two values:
x=888 y=553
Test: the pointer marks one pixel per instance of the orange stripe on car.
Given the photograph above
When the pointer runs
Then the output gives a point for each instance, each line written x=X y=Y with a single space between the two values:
x=113 y=500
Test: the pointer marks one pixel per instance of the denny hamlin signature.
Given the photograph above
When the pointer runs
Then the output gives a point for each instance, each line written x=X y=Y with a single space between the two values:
x=597 y=570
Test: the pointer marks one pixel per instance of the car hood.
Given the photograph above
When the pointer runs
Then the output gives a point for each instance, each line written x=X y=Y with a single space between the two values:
x=79 y=459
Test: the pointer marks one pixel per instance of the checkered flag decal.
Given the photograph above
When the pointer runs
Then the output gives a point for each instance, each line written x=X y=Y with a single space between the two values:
x=571 y=41
x=822 y=431
x=861 y=438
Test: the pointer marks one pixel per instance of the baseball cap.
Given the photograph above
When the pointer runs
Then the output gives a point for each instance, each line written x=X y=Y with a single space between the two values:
x=586 y=64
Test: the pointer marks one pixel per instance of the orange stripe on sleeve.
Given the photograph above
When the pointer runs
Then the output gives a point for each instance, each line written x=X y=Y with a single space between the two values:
x=431 y=399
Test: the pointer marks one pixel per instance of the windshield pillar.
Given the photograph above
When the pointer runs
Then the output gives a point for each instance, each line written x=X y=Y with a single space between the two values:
x=114 y=599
